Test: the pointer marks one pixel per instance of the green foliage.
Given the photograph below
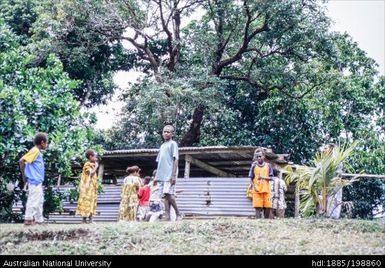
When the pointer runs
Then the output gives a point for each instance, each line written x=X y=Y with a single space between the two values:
x=151 y=104
x=69 y=30
x=268 y=73
x=368 y=194
x=321 y=180
x=34 y=99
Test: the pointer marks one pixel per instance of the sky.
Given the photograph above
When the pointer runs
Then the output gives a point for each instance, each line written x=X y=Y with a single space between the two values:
x=364 y=20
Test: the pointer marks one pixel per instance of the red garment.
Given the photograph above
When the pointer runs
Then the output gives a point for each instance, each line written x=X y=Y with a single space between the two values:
x=144 y=195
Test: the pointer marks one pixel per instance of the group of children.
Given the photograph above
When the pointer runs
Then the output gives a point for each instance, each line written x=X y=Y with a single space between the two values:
x=150 y=198
x=157 y=195
x=139 y=200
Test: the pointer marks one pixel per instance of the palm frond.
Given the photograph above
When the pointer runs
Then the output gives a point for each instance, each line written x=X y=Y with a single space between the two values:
x=318 y=182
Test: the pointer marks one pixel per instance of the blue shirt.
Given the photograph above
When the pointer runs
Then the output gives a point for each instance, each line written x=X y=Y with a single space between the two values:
x=34 y=169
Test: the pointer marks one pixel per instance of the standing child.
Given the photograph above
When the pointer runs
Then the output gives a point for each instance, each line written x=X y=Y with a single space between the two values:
x=167 y=170
x=32 y=170
x=88 y=187
x=129 y=202
x=260 y=174
x=144 y=199
x=278 y=189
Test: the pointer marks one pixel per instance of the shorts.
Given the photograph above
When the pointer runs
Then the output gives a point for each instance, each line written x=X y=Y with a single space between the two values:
x=165 y=187
x=141 y=212
x=262 y=200
x=155 y=206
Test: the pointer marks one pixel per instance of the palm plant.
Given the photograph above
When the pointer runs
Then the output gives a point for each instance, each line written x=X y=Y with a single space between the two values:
x=320 y=180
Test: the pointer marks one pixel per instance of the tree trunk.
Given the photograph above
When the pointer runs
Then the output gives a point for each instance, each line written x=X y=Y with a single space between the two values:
x=193 y=134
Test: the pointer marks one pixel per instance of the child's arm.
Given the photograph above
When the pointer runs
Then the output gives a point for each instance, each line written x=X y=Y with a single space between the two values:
x=284 y=185
x=22 y=169
x=174 y=168
x=251 y=176
x=93 y=171
x=140 y=192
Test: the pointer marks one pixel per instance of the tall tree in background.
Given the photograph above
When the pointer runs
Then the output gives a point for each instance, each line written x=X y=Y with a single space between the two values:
x=66 y=29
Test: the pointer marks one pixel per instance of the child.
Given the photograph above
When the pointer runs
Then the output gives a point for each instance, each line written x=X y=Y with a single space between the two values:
x=156 y=205
x=88 y=187
x=32 y=170
x=278 y=189
x=129 y=202
x=144 y=197
x=260 y=174
x=167 y=170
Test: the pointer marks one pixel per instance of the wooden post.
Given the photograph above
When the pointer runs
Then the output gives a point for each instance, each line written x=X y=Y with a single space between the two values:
x=59 y=181
x=296 y=201
x=101 y=172
x=187 y=168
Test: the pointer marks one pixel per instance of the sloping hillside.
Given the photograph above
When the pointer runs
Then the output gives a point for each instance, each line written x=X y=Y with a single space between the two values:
x=215 y=236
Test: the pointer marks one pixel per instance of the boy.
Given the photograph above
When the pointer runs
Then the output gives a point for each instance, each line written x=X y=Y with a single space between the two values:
x=32 y=170
x=167 y=170
x=260 y=174
x=88 y=187
x=144 y=199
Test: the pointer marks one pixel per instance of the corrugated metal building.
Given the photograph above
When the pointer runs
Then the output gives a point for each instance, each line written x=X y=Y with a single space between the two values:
x=212 y=181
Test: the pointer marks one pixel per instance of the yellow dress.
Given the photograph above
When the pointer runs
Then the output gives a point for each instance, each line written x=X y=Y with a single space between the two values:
x=87 y=191
x=129 y=201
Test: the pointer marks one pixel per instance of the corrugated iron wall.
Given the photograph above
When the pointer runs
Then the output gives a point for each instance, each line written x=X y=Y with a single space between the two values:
x=201 y=197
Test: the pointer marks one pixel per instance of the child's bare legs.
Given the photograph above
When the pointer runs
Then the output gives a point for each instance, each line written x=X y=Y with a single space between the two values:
x=167 y=208
x=267 y=213
x=258 y=213
x=90 y=219
x=280 y=213
x=172 y=202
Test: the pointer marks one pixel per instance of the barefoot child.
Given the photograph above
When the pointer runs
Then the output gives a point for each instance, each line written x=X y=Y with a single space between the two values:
x=32 y=170
x=144 y=199
x=88 y=187
x=129 y=201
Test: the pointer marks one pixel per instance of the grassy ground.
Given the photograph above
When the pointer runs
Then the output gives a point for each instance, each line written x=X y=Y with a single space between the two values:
x=216 y=236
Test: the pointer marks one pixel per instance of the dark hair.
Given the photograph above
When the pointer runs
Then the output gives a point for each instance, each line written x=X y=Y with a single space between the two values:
x=89 y=153
x=132 y=169
x=258 y=150
x=40 y=137
x=147 y=180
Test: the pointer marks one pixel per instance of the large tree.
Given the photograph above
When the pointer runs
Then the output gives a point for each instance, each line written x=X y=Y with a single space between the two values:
x=269 y=45
x=67 y=29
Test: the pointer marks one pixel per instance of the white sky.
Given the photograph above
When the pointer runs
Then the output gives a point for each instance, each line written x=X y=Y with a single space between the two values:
x=364 y=20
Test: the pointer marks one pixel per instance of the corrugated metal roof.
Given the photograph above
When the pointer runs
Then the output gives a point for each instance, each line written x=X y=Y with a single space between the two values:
x=183 y=149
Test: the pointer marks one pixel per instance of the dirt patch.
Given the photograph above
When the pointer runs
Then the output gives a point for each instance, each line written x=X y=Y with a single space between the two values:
x=28 y=235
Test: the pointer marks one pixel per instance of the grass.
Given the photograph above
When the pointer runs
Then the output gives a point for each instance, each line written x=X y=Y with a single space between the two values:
x=216 y=236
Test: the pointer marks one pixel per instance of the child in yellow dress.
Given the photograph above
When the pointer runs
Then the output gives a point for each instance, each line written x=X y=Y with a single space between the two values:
x=88 y=187
x=129 y=201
